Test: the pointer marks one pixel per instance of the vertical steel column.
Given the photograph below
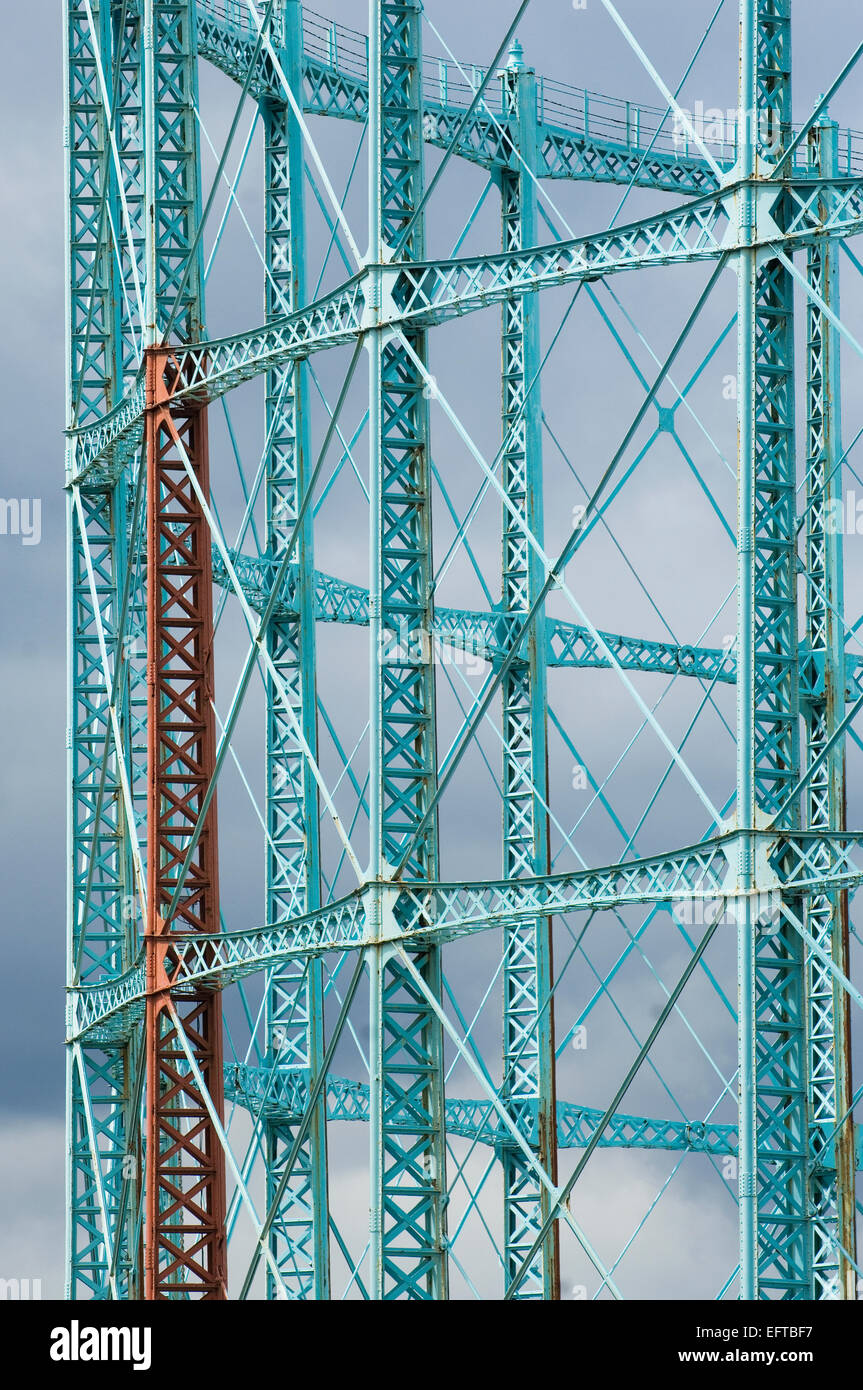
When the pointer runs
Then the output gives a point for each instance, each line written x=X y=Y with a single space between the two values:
x=829 y=1020
x=408 y=1155
x=172 y=171
x=101 y=938
x=295 y=1008
x=129 y=137
x=773 y=1144
x=746 y=274
x=528 y=1018
x=128 y=204
x=185 y=1253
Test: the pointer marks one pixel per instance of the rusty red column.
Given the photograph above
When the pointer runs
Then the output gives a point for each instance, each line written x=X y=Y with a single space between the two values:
x=185 y=1246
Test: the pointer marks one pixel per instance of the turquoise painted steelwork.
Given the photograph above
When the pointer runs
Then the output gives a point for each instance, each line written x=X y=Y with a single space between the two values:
x=299 y=1236
x=528 y=1016
x=347 y=1100
x=102 y=932
x=770 y=191
x=797 y=863
x=831 y=1133
x=774 y=1178
x=408 y=1166
x=450 y=289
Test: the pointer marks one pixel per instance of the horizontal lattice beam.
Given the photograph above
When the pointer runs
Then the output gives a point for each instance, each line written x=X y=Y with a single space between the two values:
x=281 y=1095
x=486 y=635
x=433 y=293
x=414 y=912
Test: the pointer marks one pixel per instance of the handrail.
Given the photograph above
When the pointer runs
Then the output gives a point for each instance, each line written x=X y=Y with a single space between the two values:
x=593 y=115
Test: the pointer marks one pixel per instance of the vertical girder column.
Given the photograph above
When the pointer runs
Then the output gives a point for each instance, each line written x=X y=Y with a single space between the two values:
x=830 y=1089
x=128 y=200
x=295 y=1008
x=185 y=1250
x=408 y=1154
x=90 y=265
x=784 y=1254
x=129 y=137
x=101 y=1250
x=172 y=171
x=773 y=1156
x=102 y=936
x=528 y=1020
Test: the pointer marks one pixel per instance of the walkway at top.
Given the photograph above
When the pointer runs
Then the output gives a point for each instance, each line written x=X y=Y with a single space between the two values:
x=581 y=134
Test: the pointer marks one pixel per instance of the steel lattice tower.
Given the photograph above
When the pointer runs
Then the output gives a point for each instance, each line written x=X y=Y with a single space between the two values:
x=156 y=1182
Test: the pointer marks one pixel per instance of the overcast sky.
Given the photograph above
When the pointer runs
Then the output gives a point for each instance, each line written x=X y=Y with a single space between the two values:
x=665 y=569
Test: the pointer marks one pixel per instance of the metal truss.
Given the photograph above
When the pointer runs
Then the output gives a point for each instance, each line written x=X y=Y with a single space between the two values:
x=830 y=1097
x=701 y=230
x=528 y=1028
x=157 y=1068
x=299 y=1232
x=407 y=1219
x=287 y=1097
